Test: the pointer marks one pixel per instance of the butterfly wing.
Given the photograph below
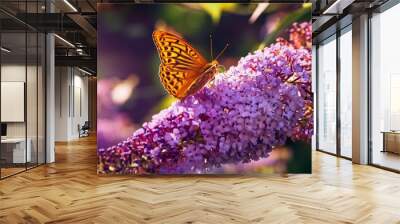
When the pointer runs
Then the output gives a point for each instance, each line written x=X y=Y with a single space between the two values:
x=176 y=81
x=180 y=65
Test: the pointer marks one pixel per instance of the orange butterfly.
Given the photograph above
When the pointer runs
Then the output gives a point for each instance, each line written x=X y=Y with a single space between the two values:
x=183 y=70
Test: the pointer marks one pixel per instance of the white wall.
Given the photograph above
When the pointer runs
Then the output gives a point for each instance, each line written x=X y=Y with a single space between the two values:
x=61 y=103
x=12 y=73
x=33 y=126
x=16 y=73
x=80 y=109
x=71 y=102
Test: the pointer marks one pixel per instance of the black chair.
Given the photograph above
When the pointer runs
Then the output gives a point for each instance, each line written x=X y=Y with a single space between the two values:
x=84 y=130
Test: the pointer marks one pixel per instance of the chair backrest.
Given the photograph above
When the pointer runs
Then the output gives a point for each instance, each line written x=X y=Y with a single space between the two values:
x=86 y=125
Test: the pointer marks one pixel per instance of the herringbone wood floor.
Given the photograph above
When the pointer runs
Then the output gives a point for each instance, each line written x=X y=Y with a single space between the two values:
x=69 y=191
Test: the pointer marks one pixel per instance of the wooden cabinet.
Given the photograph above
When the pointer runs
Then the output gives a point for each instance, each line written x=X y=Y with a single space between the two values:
x=391 y=142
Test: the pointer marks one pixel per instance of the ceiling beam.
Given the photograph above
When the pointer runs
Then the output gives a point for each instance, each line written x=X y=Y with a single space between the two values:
x=78 y=61
x=85 y=25
x=337 y=7
x=49 y=22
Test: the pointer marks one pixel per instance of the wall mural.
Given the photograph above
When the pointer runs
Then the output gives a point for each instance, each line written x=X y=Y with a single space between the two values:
x=204 y=88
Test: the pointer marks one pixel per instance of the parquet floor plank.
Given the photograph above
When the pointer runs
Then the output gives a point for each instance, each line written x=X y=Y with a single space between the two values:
x=69 y=191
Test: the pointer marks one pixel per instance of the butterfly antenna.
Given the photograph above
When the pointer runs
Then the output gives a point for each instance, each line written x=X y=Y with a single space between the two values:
x=222 y=51
x=211 y=48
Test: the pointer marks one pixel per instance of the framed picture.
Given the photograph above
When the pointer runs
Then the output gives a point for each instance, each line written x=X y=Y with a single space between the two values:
x=204 y=88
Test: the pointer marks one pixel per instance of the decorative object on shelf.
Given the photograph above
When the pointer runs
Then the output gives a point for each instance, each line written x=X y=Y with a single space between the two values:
x=391 y=141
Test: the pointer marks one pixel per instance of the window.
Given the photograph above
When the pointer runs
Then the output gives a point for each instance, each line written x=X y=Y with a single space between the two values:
x=385 y=89
x=314 y=86
x=346 y=92
x=22 y=77
x=327 y=95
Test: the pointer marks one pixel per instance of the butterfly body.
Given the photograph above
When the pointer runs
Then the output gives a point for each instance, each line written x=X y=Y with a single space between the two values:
x=183 y=70
x=208 y=73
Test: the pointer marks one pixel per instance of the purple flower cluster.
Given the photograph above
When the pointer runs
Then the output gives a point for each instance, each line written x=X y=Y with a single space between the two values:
x=239 y=117
x=301 y=35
